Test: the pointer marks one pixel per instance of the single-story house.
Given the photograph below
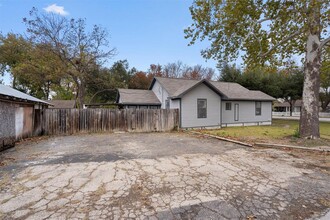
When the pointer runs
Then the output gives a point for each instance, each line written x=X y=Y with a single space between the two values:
x=203 y=103
x=17 y=115
x=283 y=106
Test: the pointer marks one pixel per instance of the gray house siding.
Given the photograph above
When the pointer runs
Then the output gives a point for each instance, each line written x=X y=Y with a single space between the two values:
x=175 y=104
x=161 y=93
x=246 y=113
x=189 y=108
x=185 y=96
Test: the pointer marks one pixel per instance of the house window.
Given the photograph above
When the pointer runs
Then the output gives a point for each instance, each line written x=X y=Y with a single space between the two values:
x=167 y=104
x=201 y=108
x=258 y=108
x=228 y=106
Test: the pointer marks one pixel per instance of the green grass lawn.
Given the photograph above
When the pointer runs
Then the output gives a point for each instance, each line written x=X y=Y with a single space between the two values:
x=279 y=130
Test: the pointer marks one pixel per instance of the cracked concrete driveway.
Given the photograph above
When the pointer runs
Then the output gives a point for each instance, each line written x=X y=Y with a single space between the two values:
x=158 y=176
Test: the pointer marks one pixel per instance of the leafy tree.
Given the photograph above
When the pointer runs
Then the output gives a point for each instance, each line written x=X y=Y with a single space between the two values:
x=35 y=70
x=325 y=80
x=325 y=99
x=100 y=88
x=265 y=79
x=229 y=73
x=268 y=31
x=102 y=83
x=286 y=83
x=41 y=71
x=13 y=50
x=121 y=74
x=292 y=86
x=140 y=80
x=79 y=50
x=155 y=70
x=64 y=91
x=252 y=79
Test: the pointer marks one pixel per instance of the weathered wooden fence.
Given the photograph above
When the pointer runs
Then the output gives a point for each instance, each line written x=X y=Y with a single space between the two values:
x=71 y=121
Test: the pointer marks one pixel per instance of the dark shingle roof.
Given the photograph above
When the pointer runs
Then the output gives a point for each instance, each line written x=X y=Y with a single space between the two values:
x=231 y=91
x=13 y=93
x=235 y=91
x=62 y=103
x=138 y=96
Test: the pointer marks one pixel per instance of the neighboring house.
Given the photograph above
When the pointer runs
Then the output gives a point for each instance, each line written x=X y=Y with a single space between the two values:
x=284 y=107
x=204 y=103
x=137 y=98
x=17 y=115
x=62 y=103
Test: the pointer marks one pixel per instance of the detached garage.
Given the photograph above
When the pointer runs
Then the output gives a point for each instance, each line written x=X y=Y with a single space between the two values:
x=19 y=113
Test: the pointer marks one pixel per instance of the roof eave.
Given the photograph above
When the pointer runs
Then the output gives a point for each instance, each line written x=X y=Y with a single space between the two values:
x=207 y=83
x=140 y=103
x=17 y=99
x=250 y=99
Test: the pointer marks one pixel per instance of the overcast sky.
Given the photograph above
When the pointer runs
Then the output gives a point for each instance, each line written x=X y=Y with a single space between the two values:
x=143 y=31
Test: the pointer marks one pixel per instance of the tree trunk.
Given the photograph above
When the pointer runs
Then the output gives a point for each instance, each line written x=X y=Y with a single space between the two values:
x=81 y=95
x=309 y=119
x=291 y=102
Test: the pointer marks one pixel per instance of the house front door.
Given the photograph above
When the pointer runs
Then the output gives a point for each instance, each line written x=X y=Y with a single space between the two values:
x=236 y=112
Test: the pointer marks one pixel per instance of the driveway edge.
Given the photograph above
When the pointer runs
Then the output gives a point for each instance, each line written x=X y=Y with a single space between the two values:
x=222 y=138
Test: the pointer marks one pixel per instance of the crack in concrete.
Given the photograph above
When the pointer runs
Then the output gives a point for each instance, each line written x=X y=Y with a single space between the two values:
x=233 y=185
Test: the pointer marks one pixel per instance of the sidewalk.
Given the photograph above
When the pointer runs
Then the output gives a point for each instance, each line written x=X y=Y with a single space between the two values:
x=297 y=118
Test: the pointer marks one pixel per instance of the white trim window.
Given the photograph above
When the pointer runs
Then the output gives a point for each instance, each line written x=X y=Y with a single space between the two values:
x=258 y=108
x=228 y=106
x=201 y=108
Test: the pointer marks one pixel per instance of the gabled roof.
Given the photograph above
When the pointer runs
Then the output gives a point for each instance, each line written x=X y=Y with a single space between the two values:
x=234 y=91
x=176 y=88
x=62 y=103
x=137 y=97
x=13 y=94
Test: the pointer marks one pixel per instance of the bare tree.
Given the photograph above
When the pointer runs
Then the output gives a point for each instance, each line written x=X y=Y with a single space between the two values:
x=77 y=48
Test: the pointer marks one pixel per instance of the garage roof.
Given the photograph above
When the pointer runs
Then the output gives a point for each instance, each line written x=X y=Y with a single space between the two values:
x=137 y=97
x=13 y=94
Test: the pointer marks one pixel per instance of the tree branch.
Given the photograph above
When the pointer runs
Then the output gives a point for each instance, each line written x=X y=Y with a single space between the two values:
x=281 y=42
x=263 y=20
x=324 y=42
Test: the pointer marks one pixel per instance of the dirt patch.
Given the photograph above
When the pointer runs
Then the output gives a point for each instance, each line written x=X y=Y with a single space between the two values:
x=6 y=161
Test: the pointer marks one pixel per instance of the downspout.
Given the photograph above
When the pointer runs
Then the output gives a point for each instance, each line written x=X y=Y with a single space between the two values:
x=180 y=114
x=271 y=112
x=220 y=112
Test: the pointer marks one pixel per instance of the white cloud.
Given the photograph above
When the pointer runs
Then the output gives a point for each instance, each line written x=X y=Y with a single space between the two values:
x=56 y=9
